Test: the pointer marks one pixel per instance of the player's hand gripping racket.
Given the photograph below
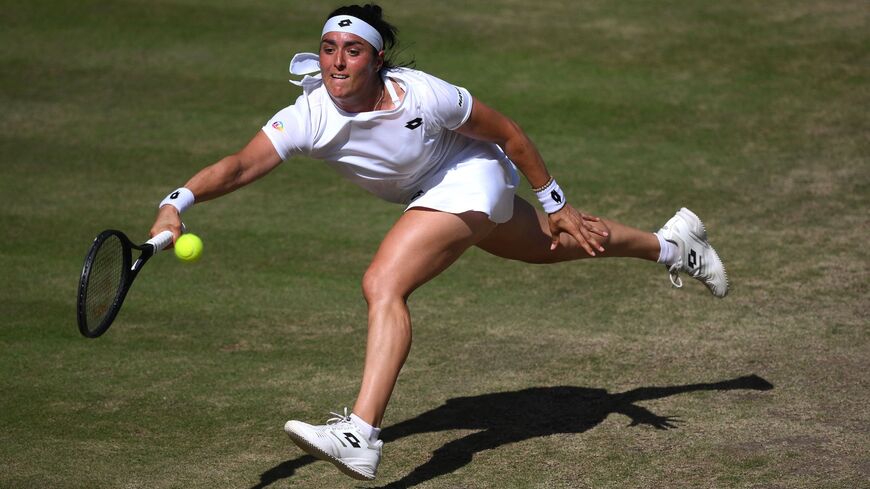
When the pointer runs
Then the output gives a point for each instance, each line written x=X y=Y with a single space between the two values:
x=108 y=272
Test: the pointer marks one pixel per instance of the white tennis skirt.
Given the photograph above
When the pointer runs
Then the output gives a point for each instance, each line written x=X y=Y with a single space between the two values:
x=476 y=184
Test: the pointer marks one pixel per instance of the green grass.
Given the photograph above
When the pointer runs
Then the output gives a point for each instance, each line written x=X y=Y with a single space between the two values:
x=753 y=114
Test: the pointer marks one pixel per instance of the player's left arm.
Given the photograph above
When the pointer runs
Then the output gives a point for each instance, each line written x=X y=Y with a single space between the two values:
x=487 y=124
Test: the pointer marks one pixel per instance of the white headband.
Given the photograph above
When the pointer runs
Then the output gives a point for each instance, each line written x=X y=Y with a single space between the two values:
x=353 y=25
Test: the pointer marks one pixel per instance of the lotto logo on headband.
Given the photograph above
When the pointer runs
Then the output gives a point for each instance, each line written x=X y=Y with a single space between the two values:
x=354 y=25
x=278 y=125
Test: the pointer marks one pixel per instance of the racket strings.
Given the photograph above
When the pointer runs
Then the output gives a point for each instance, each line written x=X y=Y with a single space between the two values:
x=104 y=281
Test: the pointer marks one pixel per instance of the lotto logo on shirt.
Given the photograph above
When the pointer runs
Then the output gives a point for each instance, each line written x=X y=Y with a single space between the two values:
x=278 y=125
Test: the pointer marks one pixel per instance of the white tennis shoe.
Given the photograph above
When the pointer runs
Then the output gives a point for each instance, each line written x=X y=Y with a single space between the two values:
x=696 y=257
x=339 y=442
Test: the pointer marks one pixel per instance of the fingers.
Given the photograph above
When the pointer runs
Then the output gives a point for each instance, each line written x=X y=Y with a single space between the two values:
x=596 y=226
x=167 y=219
x=555 y=238
x=558 y=226
x=590 y=245
x=584 y=228
x=589 y=225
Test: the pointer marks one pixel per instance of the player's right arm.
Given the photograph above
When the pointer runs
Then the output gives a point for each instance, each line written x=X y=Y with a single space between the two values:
x=235 y=171
x=256 y=159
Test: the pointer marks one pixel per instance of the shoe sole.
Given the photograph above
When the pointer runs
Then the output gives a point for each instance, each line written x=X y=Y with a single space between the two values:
x=316 y=452
x=724 y=275
x=687 y=216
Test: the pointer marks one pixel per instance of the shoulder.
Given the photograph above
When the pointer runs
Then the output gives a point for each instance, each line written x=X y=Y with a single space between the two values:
x=448 y=105
x=417 y=77
x=311 y=108
x=430 y=88
x=313 y=99
x=296 y=128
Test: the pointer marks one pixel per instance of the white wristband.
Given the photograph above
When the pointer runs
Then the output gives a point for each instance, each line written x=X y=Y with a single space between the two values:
x=181 y=199
x=551 y=197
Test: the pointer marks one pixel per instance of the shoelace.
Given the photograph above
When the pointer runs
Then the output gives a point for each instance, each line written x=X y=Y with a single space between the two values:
x=338 y=418
x=674 y=273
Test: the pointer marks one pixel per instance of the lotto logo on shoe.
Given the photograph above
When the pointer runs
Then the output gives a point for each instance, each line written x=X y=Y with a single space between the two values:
x=693 y=259
x=352 y=440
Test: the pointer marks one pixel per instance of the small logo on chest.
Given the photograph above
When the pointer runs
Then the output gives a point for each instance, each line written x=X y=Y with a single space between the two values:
x=414 y=124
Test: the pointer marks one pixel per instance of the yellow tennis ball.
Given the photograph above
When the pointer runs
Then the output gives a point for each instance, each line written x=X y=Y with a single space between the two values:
x=188 y=247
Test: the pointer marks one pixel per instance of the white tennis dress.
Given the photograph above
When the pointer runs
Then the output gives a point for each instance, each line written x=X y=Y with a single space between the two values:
x=409 y=154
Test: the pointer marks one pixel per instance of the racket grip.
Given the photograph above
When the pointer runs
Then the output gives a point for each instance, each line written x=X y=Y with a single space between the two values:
x=160 y=241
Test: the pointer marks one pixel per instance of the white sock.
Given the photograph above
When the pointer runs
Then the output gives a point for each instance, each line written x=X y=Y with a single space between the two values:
x=669 y=251
x=366 y=429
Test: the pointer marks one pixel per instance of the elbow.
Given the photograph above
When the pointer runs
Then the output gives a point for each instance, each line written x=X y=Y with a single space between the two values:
x=517 y=145
x=515 y=137
x=236 y=174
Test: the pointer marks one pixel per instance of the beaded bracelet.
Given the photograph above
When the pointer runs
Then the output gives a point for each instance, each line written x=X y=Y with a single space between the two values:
x=542 y=187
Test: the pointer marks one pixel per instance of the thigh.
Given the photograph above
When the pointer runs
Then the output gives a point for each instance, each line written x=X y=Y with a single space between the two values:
x=526 y=237
x=422 y=244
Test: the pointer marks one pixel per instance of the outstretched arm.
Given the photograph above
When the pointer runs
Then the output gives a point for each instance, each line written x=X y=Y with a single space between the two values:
x=256 y=159
x=490 y=125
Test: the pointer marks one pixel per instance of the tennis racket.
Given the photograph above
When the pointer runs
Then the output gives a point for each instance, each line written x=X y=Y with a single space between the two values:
x=107 y=275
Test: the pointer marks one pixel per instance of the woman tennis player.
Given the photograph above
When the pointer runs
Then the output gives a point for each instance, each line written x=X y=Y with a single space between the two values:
x=413 y=139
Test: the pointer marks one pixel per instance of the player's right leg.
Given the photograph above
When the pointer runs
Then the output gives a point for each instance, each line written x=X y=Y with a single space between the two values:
x=421 y=244
x=341 y=442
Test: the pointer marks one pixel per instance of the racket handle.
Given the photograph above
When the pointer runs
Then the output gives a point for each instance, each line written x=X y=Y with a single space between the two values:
x=160 y=241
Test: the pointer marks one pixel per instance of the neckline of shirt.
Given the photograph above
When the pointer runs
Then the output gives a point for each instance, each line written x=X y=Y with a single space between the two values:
x=370 y=113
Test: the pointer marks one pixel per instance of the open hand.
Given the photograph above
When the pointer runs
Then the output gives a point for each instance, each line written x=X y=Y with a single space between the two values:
x=586 y=229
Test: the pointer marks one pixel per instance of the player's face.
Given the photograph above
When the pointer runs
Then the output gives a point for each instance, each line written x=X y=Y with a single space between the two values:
x=349 y=66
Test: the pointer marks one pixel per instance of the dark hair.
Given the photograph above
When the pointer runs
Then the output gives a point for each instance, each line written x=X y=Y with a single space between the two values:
x=373 y=15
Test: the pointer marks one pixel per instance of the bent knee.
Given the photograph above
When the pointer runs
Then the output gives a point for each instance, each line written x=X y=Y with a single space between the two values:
x=379 y=285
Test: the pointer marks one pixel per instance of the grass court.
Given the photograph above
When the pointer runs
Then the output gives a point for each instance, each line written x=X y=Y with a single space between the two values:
x=581 y=375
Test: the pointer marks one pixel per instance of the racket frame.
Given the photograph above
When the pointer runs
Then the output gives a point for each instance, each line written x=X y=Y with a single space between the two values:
x=129 y=271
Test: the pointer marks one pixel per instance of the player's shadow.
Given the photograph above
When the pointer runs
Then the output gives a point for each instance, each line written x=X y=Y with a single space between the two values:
x=510 y=417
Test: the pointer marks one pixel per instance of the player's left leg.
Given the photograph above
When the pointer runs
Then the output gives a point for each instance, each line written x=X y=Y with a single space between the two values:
x=526 y=237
